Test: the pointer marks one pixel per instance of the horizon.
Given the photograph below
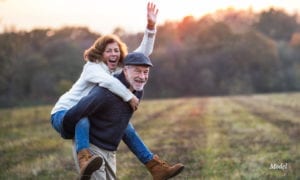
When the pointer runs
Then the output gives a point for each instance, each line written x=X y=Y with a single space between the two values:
x=57 y=14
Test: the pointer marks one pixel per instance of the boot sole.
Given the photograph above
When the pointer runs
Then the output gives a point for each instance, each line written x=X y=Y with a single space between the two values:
x=92 y=166
x=177 y=172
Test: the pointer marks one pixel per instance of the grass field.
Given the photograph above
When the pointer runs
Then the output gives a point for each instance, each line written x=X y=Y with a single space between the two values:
x=237 y=137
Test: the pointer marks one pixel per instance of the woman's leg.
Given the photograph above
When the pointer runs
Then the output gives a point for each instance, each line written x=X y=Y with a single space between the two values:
x=136 y=145
x=158 y=168
x=82 y=129
x=88 y=162
x=57 y=123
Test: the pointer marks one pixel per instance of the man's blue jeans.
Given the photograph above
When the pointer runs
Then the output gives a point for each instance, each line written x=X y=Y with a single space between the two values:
x=130 y=138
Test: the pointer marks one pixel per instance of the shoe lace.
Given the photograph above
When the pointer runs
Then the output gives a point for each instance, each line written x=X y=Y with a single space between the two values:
x=163 y=163
x=86 y=156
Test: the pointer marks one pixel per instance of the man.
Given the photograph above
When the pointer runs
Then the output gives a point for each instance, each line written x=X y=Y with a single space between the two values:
x=109 y=116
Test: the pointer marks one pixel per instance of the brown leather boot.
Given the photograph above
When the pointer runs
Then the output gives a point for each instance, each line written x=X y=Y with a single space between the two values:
x=88 y=163
x=161 y=170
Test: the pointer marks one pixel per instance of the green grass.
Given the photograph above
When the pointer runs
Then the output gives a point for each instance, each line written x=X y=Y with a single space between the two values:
x=236 y=137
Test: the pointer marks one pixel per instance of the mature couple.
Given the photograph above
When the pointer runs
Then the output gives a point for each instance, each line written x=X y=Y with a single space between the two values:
x=96 y=111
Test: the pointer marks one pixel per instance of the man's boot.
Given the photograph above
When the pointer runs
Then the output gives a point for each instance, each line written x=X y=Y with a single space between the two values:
x=160 y=170
x=88 y=163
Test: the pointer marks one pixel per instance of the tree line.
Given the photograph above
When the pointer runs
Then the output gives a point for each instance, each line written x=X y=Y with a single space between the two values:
x=224 y=53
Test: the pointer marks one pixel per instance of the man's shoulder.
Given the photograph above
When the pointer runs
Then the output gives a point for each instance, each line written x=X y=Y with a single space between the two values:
x=101 y=92
x=139 y=94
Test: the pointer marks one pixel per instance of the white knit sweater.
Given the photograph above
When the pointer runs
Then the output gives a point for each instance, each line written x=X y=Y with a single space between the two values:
x=98 y=73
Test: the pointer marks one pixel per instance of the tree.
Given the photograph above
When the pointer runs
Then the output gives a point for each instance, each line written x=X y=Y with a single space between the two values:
x=277 y=24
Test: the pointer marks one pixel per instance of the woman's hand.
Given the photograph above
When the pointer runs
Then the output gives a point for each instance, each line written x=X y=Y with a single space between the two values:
x=152 y=12
x=134 y=103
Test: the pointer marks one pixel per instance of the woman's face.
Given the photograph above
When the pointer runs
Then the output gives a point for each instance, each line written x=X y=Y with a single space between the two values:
x=111 y=56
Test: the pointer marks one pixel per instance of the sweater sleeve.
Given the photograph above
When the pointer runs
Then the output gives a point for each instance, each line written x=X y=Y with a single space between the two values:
x=93 y=73
x=147 y=44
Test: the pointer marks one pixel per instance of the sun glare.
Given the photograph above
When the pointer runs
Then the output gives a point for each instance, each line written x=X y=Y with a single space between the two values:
x=104 y=16
x=179 y=9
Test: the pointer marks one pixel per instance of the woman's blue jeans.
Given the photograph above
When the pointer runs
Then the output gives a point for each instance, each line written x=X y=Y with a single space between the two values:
x=81 y=137
x=136 y=145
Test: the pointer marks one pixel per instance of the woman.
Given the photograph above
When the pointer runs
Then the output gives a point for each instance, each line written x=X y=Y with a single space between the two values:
x=103 y=59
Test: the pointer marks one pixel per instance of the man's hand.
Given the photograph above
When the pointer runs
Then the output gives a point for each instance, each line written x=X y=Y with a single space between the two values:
x=152 y=12
x=134 y=103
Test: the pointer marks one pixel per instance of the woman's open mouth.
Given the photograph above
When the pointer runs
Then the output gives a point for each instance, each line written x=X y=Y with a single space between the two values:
x=112 y=62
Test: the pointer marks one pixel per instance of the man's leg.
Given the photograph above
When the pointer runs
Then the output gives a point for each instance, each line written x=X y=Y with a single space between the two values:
x=108 y=168
x=158 y=168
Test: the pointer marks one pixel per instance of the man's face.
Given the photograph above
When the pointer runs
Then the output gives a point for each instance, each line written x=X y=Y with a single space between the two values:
x=137 y=76
x=111 y=55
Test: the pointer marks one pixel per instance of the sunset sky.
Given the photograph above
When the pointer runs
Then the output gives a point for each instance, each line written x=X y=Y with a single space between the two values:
x=105 y=15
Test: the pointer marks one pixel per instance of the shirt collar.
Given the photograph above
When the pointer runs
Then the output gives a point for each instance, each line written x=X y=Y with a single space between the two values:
x=122 y=78
x=104 y=67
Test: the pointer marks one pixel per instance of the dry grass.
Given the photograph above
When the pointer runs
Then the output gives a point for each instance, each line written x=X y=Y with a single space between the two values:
x=236 y=137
